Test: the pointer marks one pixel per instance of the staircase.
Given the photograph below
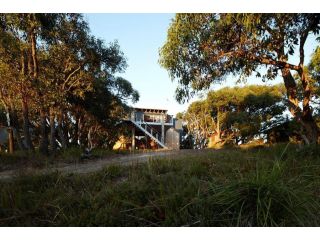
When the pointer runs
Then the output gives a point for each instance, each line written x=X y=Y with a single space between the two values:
x=148 y=130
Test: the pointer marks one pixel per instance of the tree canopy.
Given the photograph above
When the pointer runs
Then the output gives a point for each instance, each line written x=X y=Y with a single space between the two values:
x=59 y=84
x=236 y=115
x=314 y=70
x=202 y=49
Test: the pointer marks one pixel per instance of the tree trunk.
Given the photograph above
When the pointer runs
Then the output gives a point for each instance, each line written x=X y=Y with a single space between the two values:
x=61 y=134
x=218 y=127
x=89 y=138
x=20 y=143
x=53 y=144
x=33 y=70
x=43 y=146
x=15 y=125
x=76 y=131
x=10 y=140
x=305 y=118
x=81 y=139
x=26 y=126
x=312 y=130
x=9 y=129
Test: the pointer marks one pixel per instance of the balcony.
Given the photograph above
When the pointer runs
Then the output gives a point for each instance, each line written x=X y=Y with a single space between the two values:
x=152 y=119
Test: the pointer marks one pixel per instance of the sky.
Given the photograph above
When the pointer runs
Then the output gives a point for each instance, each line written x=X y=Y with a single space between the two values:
x=140 y=37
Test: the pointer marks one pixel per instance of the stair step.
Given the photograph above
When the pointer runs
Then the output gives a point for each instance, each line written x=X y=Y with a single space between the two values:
x=148 y=133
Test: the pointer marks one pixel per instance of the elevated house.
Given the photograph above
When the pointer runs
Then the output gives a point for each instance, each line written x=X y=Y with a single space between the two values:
x=156 y=127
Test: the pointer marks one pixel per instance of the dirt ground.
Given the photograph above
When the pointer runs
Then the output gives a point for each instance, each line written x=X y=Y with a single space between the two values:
x=98 y=164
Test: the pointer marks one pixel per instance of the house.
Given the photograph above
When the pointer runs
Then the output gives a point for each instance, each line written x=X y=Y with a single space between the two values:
x=153 y=128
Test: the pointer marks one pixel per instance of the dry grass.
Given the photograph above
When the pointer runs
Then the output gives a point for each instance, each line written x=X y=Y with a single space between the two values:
x=272 y=186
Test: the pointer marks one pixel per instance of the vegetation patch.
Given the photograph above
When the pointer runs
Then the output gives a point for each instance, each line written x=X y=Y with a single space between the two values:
x=233 y=187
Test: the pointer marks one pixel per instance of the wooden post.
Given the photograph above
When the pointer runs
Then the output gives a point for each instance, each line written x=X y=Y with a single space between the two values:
x=10 y=140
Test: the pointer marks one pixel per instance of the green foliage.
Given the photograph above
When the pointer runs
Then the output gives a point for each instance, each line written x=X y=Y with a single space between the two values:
x=179 y=115
x=237 y=113
x=233 y=187
x=52 y=69
x=199 y=121
x=202 y=49
x=314 y=66
x=314 y=71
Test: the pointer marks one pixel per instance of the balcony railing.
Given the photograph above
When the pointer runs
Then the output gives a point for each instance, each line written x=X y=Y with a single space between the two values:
x=140 y=117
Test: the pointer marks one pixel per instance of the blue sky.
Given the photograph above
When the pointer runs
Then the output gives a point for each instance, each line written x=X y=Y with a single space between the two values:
x=140 y=36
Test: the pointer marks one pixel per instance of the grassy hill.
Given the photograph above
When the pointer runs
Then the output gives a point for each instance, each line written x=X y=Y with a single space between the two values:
x=267 y=186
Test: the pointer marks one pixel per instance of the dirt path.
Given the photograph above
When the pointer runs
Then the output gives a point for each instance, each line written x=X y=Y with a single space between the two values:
x=98 y=164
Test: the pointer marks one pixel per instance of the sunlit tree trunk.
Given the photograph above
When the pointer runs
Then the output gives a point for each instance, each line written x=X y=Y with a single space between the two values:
x=80 y=139
x=9 y=129
x=218 y=130
x=309 y=123
x=310 y=128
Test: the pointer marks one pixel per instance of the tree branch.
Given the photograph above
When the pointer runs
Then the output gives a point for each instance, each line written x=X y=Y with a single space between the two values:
x=280 y=64
x=70 y=75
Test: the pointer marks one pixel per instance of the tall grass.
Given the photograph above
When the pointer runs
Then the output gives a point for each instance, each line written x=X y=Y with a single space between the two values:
x=264 y=199
x=273 y=186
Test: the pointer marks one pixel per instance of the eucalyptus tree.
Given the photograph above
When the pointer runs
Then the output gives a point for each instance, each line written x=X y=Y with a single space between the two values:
x=314 y=74
x=12 y=83
x=199 y=122
x=54 y=72
x=314 y=70
x=68 y=70
x=241 y=113
x=202 y=49
x=236 y=114
x=28 y=31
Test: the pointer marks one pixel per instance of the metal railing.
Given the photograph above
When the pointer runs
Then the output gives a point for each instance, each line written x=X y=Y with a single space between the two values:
x=152 y=131
x=146 y=118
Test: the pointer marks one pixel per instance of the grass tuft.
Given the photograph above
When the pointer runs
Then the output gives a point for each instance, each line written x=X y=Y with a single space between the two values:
x=272 y=186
